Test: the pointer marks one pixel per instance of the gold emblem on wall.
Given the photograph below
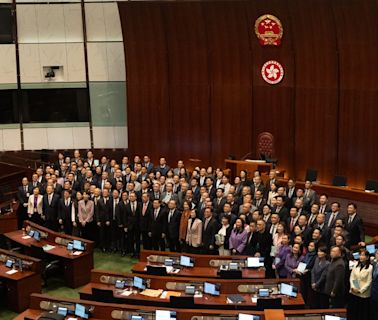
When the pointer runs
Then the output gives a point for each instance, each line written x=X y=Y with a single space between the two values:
x=269 y=31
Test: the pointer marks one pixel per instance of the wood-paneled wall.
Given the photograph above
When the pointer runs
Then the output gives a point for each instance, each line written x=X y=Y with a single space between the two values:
x=195 y=90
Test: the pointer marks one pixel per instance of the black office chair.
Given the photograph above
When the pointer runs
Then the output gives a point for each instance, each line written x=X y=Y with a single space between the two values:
x=311 y=175
x=156 y=271
x=182 y=302
x=230 y=274
x=339 y=181
x=371 y=185
x=268 y=303
x=102 y=295
x=49 y=267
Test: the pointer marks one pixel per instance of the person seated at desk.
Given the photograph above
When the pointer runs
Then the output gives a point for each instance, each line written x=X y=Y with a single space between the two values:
x=238 y=238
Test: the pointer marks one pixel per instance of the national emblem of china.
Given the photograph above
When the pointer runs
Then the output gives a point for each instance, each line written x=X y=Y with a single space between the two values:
x=268 y=29
x=272 y=72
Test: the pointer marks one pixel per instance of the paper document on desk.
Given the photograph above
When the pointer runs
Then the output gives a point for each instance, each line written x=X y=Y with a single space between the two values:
x=126 y=293
x=13 y=271
x=47 y=247
x=77 y=253
x=26 y=237
x=152 y=293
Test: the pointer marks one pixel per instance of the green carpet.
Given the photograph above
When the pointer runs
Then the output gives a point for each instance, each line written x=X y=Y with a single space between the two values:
x=55 y=286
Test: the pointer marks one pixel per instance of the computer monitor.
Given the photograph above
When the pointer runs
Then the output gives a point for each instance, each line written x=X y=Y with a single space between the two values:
x=9 y=263
x=371 y=248
x=288 y=290
x=329 y=317
x=255 y=262
x=37 y=235
x=263 y=293
x=168 y=262
x=165 y=315
x=139 y=283
x=78 y=245
x=81 y=311
x=211 y=288
x=31 y=233
x=311 y=175
x=136 y=318
x=371 y=185
x=243 y=316
x=62 y=311
x=186 y=261
x=356 y=255
x=120 y=284
x=190 y=289
x=339 y=181
x=70 y=246
x=233 y=266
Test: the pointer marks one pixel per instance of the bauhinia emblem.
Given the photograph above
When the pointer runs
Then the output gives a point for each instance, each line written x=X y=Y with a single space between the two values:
x=272 y=72
x=268 y=29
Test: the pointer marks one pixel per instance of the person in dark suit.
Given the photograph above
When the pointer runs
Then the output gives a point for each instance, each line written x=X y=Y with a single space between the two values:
x=158 y=226
x=35 y=183
x=103 y=218
x=133 y=213
x=23 y=194
x=115 y=232
x=263 y=243
x=334 y=215
x=323 y=204
x=173 y=227
x=59 y=162
x=219 y=202
x=195 y=189
x=335 y=279
x=290 y=193
x=145 y=220
x=163 y=168
x=309 y=196
x=355 y=226
x=50 y=208
x=66 y=212
x=121 y=218
x=249 y=249
x=148 y=164
x=258 y=201
x=280 y=209
x=210 y=188
x=210 y=228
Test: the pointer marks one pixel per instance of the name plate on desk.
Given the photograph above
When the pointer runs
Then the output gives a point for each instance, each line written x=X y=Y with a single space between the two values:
x=217 y=263
x=180 y=286
x=220 y=317
x=120 y=314
x=112 y=280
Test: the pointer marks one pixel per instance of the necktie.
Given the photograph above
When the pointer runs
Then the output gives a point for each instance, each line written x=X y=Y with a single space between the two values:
x=170 y=216
x=133 y=207
x=144 y=208
x=206 y=223
x=350 y=220
x=306 y=193
x=331 y=219
x=66 y=202
x=26 y=189
x=49 y=199
x=156 y=213
x=292 y=224
x=114 y=208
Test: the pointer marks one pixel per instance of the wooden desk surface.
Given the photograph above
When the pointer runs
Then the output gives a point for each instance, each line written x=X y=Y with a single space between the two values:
x=202 y=272
x=15 y=276
x=59 y=250
x=35 y=314
x=206 y=301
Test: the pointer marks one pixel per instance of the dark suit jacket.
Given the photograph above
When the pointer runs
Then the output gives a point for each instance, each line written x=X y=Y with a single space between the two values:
x=121 y=213
x=132 y=219
x=158 y=225
x=208 y=235
x=338 y=216
x=22 y=195
x=335 y=280
x=149 y=167
x=283 y=213
x=51 y=210
x=356 y=230
x=64 y=212
x=145 y=220
x=218 y=208
x=104 y=210
x=174 y=225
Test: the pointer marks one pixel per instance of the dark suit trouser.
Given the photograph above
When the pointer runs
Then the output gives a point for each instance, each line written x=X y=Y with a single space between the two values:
x=337 y=302
x=105 y=236
x=133 y=241
x=124 y=240
x=174 y=243
x=36 y=218
x=157 y=242
x=115 y=235
x=146 y=240
x=22 y=215
x=51 y=224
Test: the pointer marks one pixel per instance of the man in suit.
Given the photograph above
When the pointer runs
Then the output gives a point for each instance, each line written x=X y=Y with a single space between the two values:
x=168 y=195
x=50 y=208
x=158 y=226
x=210 y=188
x=280 y=209
x=59 y=162
x=173 y=226
x=148 y=164
x=104 y=164
x=291 y=222
x=257 y=186
x=104 y=217
x=334 y=215
x=313 y=214
x=155 y=193
x=323 y=204
x=210 y=228
x=322 y=226
x=35 y=183
x=258 y=201
x=335 y=279
x=219 y=202
x=145 y=220
x=23 y=194
x=121 y=218
x=195 y=189
x=163 y=168
x=227 y=213
x=355 y=226
x=309 y=196
x=272 y=179
x=263 y=243
x=202 y=177
x=133 y=213
x=290 y=193
x=57 y=187
x=66 y=212
x=115 y=234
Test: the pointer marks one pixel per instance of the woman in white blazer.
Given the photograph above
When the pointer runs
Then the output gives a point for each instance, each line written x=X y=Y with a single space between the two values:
x=360 y=288
x=35 y=207
x=194 y=233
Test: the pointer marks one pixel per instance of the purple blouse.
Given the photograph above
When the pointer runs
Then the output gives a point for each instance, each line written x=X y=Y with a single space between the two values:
x=280 y=262
x=238 y=240
x=291 y=263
